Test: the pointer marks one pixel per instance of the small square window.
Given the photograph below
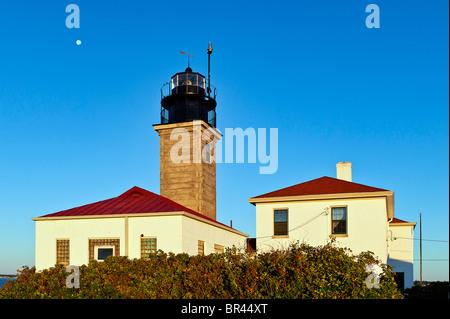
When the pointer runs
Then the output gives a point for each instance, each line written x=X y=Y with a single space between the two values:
x=103 y=252
x=148 y=246
x=96 y=243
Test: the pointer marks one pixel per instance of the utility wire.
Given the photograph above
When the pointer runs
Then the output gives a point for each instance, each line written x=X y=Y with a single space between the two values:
x=435 y=240
x=324 y=212
x=425 y=259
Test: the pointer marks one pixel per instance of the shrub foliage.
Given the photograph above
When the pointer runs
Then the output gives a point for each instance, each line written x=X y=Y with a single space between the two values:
x=432 y=290
x=301 y=271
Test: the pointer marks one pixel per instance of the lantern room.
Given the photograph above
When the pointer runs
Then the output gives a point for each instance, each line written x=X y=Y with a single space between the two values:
x=188 y=97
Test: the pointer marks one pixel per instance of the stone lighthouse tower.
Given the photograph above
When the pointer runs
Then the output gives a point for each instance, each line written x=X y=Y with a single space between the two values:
x=188 y=137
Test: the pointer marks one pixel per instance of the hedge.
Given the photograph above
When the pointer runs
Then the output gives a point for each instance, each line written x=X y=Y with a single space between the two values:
x=431 y=290
x=301 y=271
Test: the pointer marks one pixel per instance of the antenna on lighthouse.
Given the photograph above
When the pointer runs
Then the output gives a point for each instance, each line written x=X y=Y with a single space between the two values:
x=210 y=48
x=189 y=57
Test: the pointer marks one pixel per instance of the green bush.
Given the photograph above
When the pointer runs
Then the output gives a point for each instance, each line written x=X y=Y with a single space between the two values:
x=432 y=290
x=302 y=271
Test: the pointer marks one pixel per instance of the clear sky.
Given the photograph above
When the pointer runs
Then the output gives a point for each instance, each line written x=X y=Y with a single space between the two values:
x=76 y=120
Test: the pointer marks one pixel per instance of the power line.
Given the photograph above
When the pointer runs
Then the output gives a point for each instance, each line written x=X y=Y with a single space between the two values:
x=324 y=212
x=425 y=259
x=435 y=240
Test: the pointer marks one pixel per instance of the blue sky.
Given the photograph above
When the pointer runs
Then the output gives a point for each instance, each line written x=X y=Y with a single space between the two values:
x=76 y=120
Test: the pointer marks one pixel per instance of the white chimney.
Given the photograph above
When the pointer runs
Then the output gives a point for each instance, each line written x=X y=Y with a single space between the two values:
x=344 y=171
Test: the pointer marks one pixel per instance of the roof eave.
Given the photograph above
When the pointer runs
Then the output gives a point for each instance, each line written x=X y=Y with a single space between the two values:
x=175 y=213
x=403 y=224
x=97 y=216
x=390 y=205
x=256 y=200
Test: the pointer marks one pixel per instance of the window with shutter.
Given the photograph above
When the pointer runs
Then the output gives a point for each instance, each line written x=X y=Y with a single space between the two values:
x=280 y=225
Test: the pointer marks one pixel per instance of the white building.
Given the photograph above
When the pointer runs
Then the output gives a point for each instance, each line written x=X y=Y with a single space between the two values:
x=357 y=216
x=138 y=222
x=400 y=242
x=183 y=218
x=133 y=224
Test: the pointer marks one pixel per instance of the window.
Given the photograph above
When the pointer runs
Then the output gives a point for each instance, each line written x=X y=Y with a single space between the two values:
x=103 y=252
x=148 y=246
x=103 y=247
x=207 y=156
x=63 y=252
x=338 y=220
x=201 y=248
x=219 y=248
x=280 y=225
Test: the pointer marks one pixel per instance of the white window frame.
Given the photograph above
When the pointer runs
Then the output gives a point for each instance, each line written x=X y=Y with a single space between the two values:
x=96 y=248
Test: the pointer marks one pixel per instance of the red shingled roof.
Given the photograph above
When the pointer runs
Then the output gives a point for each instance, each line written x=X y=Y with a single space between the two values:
x=134 y=201
x=322 y=185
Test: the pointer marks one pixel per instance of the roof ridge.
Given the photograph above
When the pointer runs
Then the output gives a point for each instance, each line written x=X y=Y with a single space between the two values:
x=322 y=185
x=145 y=202
x=136 y=189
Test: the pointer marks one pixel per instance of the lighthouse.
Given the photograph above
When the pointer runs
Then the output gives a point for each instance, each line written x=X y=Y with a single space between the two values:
x=139 y=223
x=188 y=135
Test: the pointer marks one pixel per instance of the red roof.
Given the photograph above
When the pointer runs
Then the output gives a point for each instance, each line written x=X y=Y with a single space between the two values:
x=134 y=201
x=322 y=185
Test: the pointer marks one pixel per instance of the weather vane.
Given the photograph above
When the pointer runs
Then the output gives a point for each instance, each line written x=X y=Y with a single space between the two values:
x=189 y=57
